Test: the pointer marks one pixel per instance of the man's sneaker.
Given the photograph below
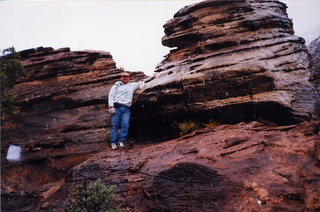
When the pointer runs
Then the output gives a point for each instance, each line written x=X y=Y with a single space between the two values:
x=121 y=145
x=114 y=146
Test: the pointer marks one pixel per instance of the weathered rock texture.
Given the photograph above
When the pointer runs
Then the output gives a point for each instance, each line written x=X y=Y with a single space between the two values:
x=314 y=48
x=243 y=167
x=234 y=61
x=61 y=119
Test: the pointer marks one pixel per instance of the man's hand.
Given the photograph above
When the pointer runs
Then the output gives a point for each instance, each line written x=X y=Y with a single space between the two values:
x=142 y=85
x=112 y=111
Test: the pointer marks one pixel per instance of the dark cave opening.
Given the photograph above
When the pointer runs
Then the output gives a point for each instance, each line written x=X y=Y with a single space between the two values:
x=156 y=127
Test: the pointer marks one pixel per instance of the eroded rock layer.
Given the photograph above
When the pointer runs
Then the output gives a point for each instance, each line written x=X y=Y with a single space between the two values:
x=314 y=48
x=243 y=167
x=61 y=119
x=235 y=61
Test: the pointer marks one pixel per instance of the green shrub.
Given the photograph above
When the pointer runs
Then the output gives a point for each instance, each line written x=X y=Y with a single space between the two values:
x=3 y=133
x=9 y=107
x=96 y=197
x=10 y=68
x=10 y=71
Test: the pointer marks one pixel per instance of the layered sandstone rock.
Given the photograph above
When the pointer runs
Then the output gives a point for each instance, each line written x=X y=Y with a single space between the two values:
x=61 y=119
x=243 y=167
x=233 y=61
x=314 y=48
x=62 y=101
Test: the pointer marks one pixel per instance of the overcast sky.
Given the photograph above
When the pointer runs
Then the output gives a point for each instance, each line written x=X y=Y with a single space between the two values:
x=130 y=30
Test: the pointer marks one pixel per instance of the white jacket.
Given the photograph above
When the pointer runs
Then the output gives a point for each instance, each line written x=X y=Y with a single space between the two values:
x=123 y=93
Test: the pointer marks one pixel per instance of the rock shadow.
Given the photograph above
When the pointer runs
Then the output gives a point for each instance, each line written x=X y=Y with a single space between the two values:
x=188 y=187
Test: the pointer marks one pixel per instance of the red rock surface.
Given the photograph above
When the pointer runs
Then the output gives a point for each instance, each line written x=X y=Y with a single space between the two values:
x=236 y=61
x=62 y=123
x=243 y=167
x=61 y=119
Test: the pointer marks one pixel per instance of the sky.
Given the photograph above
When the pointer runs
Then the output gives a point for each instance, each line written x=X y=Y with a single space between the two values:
x=130 y=30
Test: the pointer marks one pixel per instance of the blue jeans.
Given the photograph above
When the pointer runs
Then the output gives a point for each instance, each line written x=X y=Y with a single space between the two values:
x=120 y=120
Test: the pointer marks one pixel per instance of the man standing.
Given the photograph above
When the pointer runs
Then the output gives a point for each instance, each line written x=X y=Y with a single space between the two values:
x=120 y=100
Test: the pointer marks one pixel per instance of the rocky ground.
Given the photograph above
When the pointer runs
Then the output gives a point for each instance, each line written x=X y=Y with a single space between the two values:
x=243 y=167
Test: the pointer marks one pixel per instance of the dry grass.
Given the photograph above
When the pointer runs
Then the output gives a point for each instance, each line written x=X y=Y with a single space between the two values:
x=211 y=123
x=188 y=126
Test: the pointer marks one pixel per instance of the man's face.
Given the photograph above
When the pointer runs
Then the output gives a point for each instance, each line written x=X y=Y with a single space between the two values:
x=125 y=79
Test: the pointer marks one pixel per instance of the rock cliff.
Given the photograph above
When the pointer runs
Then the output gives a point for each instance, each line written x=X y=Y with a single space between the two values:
x=314 y=48
x=234 y=61
x=60 y=120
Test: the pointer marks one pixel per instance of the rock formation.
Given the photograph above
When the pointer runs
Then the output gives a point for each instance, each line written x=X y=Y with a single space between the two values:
x=234 y=61
x=243 y=167
x=61 y=119
x=314 y=48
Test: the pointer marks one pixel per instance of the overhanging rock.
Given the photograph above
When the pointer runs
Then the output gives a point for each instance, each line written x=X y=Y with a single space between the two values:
x=236 y=61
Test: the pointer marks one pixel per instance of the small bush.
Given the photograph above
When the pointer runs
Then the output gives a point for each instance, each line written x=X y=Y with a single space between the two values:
x=3 y=133
x=10 y=68
x=9 y=107
x=10 y=71
x=96 y=197
x=211 y=123
x=187 y=127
